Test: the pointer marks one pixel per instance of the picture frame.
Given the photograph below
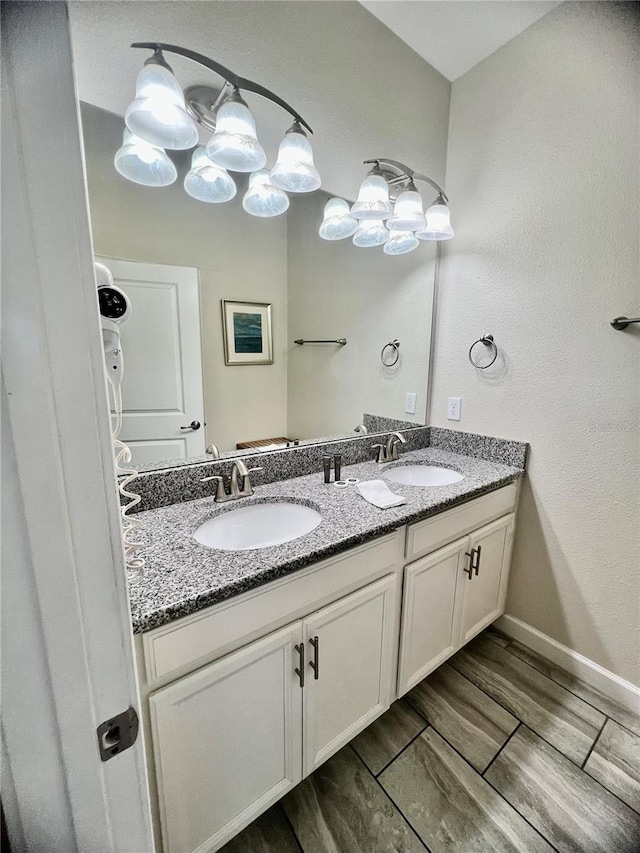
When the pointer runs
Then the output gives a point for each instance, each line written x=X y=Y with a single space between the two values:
x=248 y=336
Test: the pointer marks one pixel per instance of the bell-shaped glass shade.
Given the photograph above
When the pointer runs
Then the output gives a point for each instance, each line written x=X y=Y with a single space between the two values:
x=400 y=243
x=294 y=170
x=142 y=163
x=208 y=182
x=234 y=145
x=407 y=214
x=372 y=232
x=262 y=198
x=373 y=199
x=158 y=114
x=438 y=225
x=338 y=222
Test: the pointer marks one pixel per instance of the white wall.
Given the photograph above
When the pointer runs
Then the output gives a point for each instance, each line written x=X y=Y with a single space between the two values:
x=339 y=291
x=239 y=257
x=543 y=175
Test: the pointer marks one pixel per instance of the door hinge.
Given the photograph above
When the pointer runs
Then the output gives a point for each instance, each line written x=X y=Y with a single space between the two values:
x=117 y=734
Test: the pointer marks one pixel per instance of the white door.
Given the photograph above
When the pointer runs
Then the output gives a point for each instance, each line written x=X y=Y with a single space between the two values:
x=162 y=385
x=430 y=619
x=227 y=742
x=349 y=664
x=483 y=593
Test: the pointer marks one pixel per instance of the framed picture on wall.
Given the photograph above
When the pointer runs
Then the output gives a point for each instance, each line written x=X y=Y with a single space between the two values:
x=248 y=338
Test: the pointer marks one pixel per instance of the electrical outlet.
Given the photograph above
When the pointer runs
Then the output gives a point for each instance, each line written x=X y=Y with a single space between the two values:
x=410 y=404
x=454 y=407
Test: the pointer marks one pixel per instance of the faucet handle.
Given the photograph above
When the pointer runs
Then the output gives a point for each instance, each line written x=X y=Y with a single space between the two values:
x=220 y=491
x=380 y=456
x=253 y=470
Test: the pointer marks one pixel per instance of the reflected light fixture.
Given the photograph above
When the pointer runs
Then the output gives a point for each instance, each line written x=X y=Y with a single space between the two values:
x=163 y=116
x=337 y=223
x=143 y=163
x=373 y=197
x=438 y=226
x=371 y=233
x=205 y=181
x=398 y=228
x=401 y=242
x=262 y=198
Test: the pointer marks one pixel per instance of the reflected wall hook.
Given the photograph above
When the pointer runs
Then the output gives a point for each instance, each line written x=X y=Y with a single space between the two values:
x=622 y=322
x=488 y=341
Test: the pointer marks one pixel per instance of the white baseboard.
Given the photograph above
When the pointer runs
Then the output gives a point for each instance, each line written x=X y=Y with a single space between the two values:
x=616 y=688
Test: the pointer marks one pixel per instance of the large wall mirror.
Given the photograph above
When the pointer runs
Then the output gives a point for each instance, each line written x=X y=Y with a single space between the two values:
x=220 y=297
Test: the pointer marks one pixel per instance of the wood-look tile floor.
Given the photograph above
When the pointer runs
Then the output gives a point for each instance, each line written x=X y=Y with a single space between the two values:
x=497 y=750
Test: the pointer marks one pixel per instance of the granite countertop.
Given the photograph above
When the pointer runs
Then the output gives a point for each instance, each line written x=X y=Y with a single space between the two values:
x=181 y=576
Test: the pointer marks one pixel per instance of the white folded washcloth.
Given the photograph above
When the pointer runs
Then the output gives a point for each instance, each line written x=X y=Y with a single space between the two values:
x=379 y=494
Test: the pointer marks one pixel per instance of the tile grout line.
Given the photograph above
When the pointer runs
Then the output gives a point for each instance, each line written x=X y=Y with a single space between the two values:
x=573 y=693
x=508 y=740
x=504 y=707
x=473 y=769
x=405 y=747
x=392 y=801
x=593 y=745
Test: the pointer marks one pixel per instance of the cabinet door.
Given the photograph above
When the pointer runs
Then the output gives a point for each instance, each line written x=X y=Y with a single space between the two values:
x=227 y=742
x=483 y=594
x=349 y=669
x=430 y=619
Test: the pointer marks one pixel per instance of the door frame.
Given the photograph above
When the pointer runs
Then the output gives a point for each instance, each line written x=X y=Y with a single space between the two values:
x=75 y=644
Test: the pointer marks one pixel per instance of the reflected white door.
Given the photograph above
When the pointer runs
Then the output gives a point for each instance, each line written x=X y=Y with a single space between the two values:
x=162 y=384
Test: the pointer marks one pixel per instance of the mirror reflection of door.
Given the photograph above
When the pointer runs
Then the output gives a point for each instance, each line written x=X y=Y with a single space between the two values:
x=162 y=384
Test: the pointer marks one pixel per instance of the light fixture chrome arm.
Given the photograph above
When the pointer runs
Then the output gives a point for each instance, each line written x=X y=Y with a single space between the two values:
x=225 y=73
x=397 y=172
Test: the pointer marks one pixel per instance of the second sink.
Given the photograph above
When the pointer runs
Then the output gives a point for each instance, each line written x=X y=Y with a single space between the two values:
x=422 y=475
x=258 y=526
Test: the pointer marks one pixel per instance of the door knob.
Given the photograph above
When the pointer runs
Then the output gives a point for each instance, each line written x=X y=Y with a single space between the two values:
x=193 y=425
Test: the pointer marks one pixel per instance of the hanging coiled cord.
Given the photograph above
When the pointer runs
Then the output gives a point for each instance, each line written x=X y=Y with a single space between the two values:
x=134 y=563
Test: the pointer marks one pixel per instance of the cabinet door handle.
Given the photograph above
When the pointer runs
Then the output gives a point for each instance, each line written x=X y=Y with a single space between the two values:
x=469 y=569
x=477 y=563
x=315 y=663
x=300 y=672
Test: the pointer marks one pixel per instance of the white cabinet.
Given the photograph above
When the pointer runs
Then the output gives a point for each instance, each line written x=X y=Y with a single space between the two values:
x=430 y=620
x=451 y=595
x=482 y=594
x=227 y=742
x=348 y=683
x=232 y=738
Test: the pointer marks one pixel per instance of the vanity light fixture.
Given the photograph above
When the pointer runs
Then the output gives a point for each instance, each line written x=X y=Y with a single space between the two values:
x=163 y=116
x=397 y=228
x=337 y=223
x=143 y=163
x=262 y=198
x=208 y=182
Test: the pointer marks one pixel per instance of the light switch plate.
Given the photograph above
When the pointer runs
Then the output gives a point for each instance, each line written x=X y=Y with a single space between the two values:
x=410 y=404
x=454 y=406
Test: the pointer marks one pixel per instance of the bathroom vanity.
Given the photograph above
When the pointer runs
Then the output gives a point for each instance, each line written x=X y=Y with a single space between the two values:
x=257 y=666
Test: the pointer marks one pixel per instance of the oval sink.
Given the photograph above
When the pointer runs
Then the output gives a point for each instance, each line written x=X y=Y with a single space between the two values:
x=422 y=475
x=257 y=526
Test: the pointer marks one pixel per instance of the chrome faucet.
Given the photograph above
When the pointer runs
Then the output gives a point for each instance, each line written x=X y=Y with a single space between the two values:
x=241 y=485
x=212 y=450
x=389 y=452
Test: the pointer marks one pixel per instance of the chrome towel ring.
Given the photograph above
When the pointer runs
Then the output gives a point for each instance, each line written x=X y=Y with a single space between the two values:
x=395 y=346
x=487 y=341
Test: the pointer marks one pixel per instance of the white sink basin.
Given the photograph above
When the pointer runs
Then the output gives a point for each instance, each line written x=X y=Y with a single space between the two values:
x=422 y=475
x=257 y=526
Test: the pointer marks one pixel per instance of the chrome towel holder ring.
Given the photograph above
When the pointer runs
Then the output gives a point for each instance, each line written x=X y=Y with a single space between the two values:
x=395 y=346
x=487 y=341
